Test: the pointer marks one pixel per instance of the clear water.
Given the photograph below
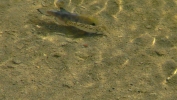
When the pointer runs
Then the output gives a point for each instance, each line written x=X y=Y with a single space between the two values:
x=136 y=59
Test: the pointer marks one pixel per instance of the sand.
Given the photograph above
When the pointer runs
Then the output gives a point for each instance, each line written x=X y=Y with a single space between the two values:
x=135 y=60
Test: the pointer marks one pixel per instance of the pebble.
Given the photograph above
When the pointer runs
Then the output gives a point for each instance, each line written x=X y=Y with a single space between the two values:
x=16 y=61
x=148 y=26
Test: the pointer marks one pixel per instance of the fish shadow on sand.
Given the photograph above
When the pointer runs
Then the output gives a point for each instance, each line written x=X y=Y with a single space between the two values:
x=48 y=27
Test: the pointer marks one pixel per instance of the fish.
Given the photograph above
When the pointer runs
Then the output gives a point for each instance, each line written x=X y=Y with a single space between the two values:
x=81 y=22
x=67 y=16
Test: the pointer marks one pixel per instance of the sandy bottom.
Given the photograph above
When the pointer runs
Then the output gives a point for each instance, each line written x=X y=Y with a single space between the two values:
x=137 y=60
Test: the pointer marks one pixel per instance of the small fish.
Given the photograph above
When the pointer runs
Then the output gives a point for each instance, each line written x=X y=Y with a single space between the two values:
x=67 y=16
x=81 y=22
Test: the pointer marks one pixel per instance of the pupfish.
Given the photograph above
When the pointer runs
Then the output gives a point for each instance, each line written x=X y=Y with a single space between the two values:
x=81 y=22
x=67 y=16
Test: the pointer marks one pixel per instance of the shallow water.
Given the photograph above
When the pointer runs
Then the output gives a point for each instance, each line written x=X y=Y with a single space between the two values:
x=137 y=59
